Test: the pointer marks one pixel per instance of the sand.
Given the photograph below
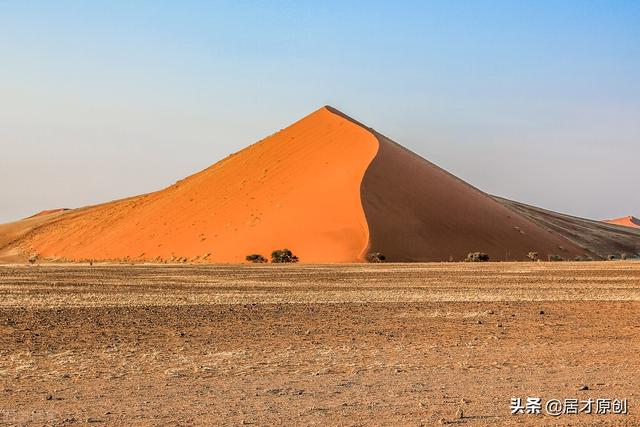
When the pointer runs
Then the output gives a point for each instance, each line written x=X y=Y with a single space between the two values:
x=12 y=233
x=627 y=221
x=48 y=212
x=595 y=237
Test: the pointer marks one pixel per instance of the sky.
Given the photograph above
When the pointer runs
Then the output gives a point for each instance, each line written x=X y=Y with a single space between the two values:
x=538 y=101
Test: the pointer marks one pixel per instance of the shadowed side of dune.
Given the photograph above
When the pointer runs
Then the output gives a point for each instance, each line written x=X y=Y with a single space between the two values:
x=418 y=212
x=598 y=237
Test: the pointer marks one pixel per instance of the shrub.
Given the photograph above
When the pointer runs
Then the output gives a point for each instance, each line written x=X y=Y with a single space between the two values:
x=376 y=257
x=554 y=257
x=256 y=258
x=611 y=257
x=477 y=257
x=533 y=256
x=33 y=259
x=282 y=256
x=624 y=256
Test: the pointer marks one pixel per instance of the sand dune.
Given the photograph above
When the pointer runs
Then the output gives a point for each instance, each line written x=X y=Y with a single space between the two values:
x=48 y=211
x=327 y=187
x=627 y=221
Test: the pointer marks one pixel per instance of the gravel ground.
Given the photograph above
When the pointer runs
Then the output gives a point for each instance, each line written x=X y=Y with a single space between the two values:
x=390 y=344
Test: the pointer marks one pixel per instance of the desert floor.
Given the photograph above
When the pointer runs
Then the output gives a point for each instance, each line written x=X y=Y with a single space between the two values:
x=405 y=344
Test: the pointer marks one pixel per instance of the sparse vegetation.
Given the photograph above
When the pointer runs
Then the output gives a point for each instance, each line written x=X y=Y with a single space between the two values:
x=283 y=256
x=533 y=256
x=376 y=257
x=555 y=257
x=477 y=257
x=256 y=258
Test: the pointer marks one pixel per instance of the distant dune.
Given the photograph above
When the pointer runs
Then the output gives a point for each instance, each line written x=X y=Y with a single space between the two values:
x=48 y=211
x=627 y=221
x=328 y=188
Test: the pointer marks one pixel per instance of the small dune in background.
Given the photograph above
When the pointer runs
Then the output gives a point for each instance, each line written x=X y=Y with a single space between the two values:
x=627 y=221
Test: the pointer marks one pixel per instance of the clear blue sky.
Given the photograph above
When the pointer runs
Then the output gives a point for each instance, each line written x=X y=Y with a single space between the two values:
x=533 y=100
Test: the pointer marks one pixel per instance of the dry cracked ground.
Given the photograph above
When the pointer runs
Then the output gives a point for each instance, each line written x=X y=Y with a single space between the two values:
x=412 y=344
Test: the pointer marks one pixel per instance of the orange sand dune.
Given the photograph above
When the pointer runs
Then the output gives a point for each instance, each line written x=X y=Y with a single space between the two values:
x=627 y=221
x=327 y=187
x=299 y=188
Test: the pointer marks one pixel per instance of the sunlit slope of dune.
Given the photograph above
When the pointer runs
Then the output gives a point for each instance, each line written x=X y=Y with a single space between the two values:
x=299 y=188
x=12 y=233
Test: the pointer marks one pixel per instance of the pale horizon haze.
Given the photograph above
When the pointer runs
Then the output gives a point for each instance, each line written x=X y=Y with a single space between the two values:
x=536 y=101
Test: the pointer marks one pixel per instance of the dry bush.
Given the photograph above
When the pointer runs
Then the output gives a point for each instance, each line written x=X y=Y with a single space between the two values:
x=376 y=257
x=283 y=256
x=533 y=256
x=477 y=257
x=256 y=258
